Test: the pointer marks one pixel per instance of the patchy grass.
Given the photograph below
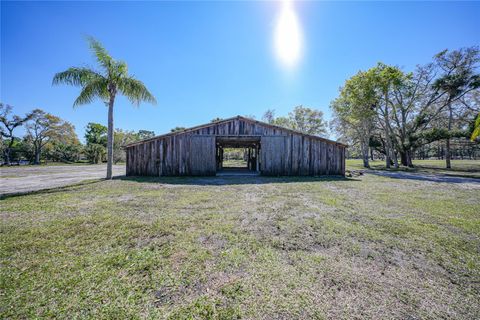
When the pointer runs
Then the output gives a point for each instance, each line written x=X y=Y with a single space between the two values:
x=460 y=168
x=225 y=248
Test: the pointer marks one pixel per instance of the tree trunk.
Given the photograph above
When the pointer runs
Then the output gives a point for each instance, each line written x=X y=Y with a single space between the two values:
x=448 y=155
x=406 y=158
x=403 y=158
x=37 y=156
x=395 y=159
x=388 y=141
x=110 y=137
x=8 y=150
x=409 y=159
x=365 y=155
x=365 y=161
x=388 y=160
x=7 y=156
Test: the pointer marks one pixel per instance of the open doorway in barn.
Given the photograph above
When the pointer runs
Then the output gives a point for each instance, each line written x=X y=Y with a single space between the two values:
x=235 y=158
x=237 y=155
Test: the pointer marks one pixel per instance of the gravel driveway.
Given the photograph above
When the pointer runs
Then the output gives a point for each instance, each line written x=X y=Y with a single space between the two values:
x=33 y=178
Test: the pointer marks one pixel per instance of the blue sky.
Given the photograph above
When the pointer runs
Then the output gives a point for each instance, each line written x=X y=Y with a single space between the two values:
x=203 y=60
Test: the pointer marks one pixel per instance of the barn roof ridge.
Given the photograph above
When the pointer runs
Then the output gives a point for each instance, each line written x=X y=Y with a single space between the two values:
x=230 y=119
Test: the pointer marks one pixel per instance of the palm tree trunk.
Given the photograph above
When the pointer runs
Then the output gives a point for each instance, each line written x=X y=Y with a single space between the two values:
x=110 y=137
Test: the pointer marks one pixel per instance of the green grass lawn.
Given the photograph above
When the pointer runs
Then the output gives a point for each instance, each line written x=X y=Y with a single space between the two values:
x=234 y=163
x=217 y=248
x=461 y=168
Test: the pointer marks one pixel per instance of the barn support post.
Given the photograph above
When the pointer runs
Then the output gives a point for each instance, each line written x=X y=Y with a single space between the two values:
x=250 y=160
x=257 y=156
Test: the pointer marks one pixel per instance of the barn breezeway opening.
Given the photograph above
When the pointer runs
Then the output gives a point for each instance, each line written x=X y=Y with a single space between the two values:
x=238 y=155
x=235 y=158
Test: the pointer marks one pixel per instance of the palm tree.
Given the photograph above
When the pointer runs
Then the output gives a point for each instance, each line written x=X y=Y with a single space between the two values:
x=112 y=79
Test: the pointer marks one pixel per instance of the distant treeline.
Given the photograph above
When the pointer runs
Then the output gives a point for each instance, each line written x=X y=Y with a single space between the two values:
x=50 y=138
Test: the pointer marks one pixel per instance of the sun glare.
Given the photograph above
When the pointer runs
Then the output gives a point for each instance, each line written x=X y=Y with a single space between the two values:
x=288 y=36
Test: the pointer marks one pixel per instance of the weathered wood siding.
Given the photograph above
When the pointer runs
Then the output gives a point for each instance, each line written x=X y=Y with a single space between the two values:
x=202 y=156
x=272 y=151
x=193 y=152
x=297 y=155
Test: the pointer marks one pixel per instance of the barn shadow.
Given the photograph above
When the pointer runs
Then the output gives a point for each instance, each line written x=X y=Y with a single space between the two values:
x=51 y=190
x=234 y=180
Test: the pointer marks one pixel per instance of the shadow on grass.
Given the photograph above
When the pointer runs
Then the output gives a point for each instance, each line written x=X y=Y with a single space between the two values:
x=49 y=190
x=471 y=172
x=425 y=176
x=426 y=169
x=232 y=180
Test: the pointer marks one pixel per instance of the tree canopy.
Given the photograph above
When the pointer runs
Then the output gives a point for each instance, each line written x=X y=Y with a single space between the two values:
x=302 y=119
x=396 y=113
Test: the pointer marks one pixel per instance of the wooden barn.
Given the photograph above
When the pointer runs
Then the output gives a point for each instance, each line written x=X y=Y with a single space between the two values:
x=269 y=150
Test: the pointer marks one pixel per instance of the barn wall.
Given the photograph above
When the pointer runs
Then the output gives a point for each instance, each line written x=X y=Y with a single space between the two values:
x=296 y=155
x=282 y=152
x=177 y=155
x=203 y=161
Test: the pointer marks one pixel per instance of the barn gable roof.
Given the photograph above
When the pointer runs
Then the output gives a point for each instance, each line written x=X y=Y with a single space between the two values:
x=232 y=119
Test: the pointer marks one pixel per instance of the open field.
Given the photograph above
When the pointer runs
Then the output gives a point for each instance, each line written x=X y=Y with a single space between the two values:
x=281 y=248
x=460 y=168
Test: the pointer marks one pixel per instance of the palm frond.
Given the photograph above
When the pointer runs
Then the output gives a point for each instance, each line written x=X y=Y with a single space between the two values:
x=93 y=90
x=102 y=55
x=76 y=76
x=135 y=91
x=121 y=68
